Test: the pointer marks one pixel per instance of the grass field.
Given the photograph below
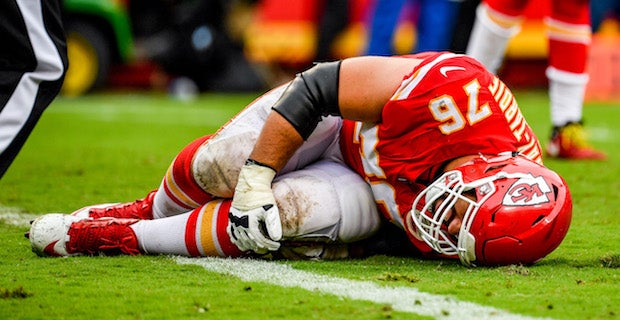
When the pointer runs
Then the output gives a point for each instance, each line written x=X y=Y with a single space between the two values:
x=110 y=148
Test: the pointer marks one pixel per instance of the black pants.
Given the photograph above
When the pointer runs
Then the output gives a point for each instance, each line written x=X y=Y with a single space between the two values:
x=33 y=62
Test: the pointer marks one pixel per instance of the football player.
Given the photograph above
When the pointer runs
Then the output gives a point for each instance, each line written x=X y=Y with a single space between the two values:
x=439 y=142
x=569 y=36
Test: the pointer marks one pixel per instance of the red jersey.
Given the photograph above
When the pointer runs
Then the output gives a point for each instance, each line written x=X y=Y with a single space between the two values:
x=449 y=106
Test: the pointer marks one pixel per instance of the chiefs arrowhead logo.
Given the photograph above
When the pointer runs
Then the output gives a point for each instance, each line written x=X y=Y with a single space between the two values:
x=527 y=191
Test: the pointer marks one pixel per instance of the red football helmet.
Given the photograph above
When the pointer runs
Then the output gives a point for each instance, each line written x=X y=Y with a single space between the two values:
x=517 y=211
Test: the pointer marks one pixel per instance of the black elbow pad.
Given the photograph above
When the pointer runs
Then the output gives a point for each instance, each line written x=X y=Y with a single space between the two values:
x=311 y=95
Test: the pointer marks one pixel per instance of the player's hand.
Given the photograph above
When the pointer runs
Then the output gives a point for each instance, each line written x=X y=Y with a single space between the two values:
x=254 y=218
x=246 y=228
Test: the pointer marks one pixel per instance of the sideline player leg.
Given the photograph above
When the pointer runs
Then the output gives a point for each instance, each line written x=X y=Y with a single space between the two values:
x=569 y=35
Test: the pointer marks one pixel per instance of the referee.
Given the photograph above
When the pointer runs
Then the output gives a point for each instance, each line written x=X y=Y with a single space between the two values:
x=33 y=62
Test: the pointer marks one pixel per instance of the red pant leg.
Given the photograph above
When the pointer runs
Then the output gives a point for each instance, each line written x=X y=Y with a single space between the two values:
x=508 y=7
x=569 y=35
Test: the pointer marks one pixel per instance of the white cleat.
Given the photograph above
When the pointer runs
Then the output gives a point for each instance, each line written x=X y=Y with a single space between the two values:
x=66 y=235
x=49 y=234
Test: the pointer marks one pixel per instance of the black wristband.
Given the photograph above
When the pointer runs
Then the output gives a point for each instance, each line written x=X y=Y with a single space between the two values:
x=252 y=161
x=311 y=95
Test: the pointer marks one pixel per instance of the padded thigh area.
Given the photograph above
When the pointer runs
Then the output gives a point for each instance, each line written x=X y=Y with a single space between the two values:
x=325 y=201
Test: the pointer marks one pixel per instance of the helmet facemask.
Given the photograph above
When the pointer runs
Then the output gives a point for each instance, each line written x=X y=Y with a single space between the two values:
x=511 y=210
x=439 y=199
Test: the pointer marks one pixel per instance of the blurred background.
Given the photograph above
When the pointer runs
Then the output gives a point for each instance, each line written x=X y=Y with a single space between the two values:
x=186 y=47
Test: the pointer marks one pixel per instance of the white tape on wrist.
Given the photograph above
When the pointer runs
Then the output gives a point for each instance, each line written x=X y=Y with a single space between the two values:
x=254 y=187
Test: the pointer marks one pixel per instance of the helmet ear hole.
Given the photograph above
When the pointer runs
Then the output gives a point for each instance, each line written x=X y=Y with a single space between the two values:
x=539 y=219
x=555 y=192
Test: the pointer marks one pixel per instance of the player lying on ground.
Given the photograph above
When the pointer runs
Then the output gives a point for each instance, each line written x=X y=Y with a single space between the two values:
x=439 y=141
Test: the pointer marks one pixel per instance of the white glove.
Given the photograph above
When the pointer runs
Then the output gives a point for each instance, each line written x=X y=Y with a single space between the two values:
x=254 y=219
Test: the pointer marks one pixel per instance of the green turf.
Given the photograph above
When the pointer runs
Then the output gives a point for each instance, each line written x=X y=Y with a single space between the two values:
x=104 y=148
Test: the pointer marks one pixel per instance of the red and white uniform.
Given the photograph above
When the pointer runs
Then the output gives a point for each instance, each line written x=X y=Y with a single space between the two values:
x=567 y=26
x=447 y=107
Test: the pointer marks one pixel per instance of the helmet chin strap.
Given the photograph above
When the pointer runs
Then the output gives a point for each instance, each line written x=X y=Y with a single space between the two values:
x=468 y=242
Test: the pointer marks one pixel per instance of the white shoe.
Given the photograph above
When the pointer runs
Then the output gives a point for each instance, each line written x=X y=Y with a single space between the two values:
x=65 y=235
x=49 y=234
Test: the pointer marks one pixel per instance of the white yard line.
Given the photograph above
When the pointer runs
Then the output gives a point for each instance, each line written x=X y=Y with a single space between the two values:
x=11 y=216
x=405 y=299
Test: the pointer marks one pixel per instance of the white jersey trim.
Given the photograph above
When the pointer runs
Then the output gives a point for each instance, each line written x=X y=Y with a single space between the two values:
x=411 y=83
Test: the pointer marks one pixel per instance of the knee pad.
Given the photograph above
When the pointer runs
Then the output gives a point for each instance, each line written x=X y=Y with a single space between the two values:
x=217 y=163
